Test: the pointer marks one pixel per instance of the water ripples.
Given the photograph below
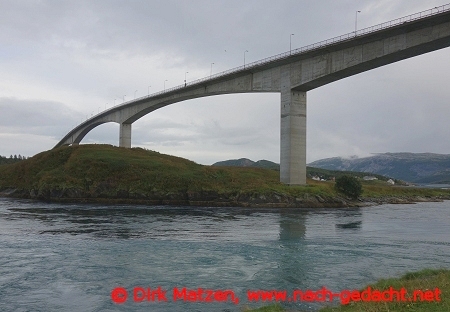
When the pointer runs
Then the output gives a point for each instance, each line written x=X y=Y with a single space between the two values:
x=70 y=257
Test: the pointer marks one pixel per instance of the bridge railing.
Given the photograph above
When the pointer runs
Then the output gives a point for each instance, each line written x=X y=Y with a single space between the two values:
x=308 y=48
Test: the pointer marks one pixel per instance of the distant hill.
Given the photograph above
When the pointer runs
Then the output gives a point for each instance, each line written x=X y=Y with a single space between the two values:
x=245 y=162
x=311 y=172
x=411 y=167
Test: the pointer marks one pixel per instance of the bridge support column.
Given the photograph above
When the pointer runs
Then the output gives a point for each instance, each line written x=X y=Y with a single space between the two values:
x=125 y=135
x=293 y=137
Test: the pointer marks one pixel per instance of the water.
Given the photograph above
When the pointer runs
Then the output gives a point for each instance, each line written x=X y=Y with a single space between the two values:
x=56 y=257
x=436 y=186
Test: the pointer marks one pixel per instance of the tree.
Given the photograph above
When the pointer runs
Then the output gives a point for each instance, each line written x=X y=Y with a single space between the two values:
x=349 y=186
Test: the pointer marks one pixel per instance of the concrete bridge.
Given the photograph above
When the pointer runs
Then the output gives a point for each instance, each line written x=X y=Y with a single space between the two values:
x=293 y=74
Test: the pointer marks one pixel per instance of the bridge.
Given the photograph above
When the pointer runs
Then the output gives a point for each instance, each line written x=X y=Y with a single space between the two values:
x=292 y=74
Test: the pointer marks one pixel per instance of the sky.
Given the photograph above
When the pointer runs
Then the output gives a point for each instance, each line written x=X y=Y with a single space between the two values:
x=64 y=61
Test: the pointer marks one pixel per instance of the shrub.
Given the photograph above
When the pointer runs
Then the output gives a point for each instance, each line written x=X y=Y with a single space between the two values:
x=349 y=186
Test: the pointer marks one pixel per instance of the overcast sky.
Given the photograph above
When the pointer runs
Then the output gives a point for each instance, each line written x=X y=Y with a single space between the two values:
x=62 y=61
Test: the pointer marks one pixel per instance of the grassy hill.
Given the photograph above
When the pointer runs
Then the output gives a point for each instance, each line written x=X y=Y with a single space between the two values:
x=103 y=171
x=107 y=173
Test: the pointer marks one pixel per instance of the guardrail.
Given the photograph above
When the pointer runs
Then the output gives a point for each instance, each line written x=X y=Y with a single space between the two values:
x=317 y=45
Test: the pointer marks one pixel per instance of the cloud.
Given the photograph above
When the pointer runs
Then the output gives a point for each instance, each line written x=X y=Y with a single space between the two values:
x=25 y=144
x=28 y=127
x=37 y=117
x=63 y=61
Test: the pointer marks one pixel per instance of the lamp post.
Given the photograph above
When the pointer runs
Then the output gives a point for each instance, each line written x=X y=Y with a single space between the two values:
x=244 y=57
x=210 y=74
x=290 y=44
x=356 y=21
x=185 y=78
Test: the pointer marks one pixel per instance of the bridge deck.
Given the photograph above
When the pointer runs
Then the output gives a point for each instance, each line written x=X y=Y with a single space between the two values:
x=292 y=74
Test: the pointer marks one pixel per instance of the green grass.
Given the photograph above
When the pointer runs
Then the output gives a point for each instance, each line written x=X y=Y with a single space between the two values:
x=374 y=191
x=104 y=171
x=93 y=167
x=423 y=280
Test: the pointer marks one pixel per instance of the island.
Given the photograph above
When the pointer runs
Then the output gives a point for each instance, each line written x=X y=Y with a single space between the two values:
x=115 y=175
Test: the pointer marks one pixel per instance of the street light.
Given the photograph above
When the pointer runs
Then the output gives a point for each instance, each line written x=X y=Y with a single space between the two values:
x=290 y=44
x=185 y=78
x=244 y=57
x=165 y=84
x=210 y=74
x=356 y=21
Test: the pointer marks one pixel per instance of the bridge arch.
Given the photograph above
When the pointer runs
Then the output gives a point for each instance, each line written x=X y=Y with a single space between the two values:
x=126 y=117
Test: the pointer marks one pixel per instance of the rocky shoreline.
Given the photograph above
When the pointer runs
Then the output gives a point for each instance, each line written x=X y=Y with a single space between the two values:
x=211 y=199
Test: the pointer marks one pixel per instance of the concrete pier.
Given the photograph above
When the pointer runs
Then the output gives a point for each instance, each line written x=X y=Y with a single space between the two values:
x=125 y=135
x=293 y=137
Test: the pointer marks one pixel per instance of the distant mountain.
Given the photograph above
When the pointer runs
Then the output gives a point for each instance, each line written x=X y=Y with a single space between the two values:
x=310 y=171
x=245 y=162
x=411 y=167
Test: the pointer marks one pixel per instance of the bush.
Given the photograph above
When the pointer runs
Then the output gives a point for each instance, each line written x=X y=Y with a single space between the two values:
x=349 y=186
